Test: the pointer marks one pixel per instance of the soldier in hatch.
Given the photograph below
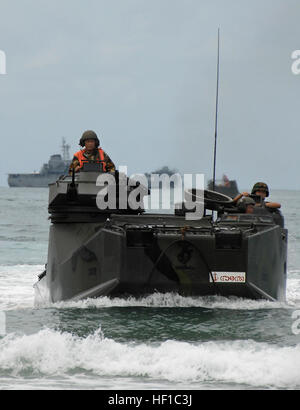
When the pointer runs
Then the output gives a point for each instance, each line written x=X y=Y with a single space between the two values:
x=260 y=189
x=246 y=205
x=91 y=153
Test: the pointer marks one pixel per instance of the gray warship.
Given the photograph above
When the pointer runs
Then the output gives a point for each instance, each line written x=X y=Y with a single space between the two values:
x=129 y=252
x=57 y=165
x=173 y=175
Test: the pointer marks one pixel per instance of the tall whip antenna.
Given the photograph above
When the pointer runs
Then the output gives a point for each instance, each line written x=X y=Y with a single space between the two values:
x=217 y=106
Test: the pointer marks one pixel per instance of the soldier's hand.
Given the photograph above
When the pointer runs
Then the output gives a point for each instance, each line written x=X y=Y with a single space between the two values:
x=245 y=194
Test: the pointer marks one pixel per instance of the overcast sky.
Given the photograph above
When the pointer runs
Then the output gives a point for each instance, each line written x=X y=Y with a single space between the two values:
x=142 y=74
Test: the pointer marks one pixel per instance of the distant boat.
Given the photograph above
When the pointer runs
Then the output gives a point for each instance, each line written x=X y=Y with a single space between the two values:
x=57 y=165
x=224 y=186
x=165 y=170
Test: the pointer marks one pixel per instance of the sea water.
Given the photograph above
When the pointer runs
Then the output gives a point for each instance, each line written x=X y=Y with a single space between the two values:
x=162 y=341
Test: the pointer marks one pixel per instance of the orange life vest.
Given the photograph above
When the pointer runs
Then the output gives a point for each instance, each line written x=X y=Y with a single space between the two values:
x=82 y=159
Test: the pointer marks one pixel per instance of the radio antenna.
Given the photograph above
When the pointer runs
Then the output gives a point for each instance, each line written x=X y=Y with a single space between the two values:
x=217 y=107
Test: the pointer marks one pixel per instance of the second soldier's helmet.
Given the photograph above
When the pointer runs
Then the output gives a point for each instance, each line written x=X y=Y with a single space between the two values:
x=244 y=202
x=89 y=135
x=260 y=186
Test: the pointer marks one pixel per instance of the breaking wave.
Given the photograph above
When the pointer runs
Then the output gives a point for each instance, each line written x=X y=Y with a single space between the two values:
x=53 y=354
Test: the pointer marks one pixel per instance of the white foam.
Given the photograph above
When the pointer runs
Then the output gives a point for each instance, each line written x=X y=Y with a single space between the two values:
x=16 y=290
x=51 y=353
x=174 y=300
x=293 y=291
x=16 y=286
x=213 y=302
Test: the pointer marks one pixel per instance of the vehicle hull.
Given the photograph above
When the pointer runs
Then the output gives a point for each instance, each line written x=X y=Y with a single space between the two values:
x=140 y=254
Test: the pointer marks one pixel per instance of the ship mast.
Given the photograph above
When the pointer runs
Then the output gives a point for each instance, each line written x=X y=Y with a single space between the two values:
x=65 y=150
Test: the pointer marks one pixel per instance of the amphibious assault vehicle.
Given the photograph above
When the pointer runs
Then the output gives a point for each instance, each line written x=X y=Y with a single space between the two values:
x=126 y=251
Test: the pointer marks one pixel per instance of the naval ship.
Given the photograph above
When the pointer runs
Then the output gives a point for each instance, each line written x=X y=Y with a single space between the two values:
x=57 y=165
x=171 y=175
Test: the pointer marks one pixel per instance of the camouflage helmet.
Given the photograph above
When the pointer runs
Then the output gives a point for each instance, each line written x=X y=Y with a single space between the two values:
x=260 y=186
x=244 y=202
x=89 y=135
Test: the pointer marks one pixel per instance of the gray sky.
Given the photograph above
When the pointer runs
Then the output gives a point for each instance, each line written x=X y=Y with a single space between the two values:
x=142 y=74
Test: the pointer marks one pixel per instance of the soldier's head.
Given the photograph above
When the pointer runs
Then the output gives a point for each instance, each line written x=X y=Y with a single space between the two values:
x=246 y=205
x=260 y=189
x=89 y=140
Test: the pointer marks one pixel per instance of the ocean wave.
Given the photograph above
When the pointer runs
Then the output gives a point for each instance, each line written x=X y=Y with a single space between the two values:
x=52 y=353
x=17 y=239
